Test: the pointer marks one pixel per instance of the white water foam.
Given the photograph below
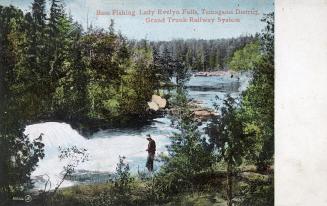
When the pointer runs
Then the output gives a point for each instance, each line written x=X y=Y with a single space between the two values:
x=103 y=147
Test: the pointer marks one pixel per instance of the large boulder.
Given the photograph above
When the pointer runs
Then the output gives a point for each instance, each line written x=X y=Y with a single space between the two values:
x=153 y=106
x=157 y=103
x=161 y=102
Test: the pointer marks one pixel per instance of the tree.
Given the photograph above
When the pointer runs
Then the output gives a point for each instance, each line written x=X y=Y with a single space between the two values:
x=202 y=54
x=258 y=99
x=140 y=84
x=79 y=76
x=189 y=153
x=123 y=182
x=257 y=108
x=106 y=59
x=228 y=140
x=166 y=64
x=120 y=193
x=74 y=157
x=19 y=153
x=36 y=54
x=56 y=13
x=159 y=76
x=28 y=72
x=19 y=156
x=39 y=15
x=246 y=58
x=69 y=98
x=61 y=33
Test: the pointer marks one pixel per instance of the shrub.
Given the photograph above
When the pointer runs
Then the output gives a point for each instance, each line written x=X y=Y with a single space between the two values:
x=120 y=192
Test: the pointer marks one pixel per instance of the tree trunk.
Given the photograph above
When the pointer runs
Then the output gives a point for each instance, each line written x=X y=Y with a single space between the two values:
x=229 y=185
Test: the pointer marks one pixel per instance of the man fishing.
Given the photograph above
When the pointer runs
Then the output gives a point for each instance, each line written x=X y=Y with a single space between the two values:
x=151 y=152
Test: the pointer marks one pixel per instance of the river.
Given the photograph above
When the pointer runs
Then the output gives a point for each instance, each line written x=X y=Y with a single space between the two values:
x=104 y=147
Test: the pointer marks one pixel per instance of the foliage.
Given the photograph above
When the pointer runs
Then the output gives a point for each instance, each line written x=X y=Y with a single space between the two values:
x=60 y=72
x=55 y=71
x=255 y=114
x=258 y=100
x=226 y=134
x=120 y=193
x=188 y=155
x=168 y=66
x=258 y=193
x=20 y=154
x=246 y=58
x=138 y=84
x=74 y=156
x=202 y=55
x=123 y=180
x=228 y=140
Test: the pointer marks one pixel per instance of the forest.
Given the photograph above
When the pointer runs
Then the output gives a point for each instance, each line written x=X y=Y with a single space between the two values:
x=53 y=70
x=203 y=55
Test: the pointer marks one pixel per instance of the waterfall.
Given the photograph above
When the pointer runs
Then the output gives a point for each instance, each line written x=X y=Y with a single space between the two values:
x=104 y=148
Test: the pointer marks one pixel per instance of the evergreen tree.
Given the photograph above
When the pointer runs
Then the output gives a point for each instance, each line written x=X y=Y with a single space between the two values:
x=80 y=77
x=57 y=27
x=39 y=15
x=258 y=99
x=31 y=70
x=19 y=154
x=201 y=55
x=189 y=152
x=231 y=145
x=56 y=13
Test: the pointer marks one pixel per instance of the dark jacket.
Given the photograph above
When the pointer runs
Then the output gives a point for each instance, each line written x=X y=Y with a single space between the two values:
x=152 y=147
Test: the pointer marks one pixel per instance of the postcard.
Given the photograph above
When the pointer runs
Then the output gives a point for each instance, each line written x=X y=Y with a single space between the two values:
x=137 y=102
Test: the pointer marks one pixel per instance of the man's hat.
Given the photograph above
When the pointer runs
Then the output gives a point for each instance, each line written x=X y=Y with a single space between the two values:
x=148 y=136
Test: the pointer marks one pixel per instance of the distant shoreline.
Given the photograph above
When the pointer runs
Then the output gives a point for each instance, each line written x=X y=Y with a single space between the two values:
x=212 y=73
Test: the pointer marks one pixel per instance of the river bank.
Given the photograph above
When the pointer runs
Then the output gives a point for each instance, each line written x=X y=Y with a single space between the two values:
x=209 y=189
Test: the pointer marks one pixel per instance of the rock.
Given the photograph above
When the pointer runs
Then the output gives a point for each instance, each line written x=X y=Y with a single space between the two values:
x=203 y=114
x=157 y=103
x=195 y=103
x=212 y=73
x=161 y=102
x=153 y=106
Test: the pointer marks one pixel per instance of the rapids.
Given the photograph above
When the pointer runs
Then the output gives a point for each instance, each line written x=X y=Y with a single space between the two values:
x=104 y=147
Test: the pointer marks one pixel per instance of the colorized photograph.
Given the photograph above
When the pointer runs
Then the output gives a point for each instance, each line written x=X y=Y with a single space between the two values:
x=137 y=102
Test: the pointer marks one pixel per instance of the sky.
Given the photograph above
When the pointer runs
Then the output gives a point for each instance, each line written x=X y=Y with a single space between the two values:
x=84 y=11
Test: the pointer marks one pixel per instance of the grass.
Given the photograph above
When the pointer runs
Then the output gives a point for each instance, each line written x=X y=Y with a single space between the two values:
x=209 y=191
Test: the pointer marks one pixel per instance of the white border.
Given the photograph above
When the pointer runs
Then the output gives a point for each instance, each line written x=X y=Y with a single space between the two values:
x=301 y=103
